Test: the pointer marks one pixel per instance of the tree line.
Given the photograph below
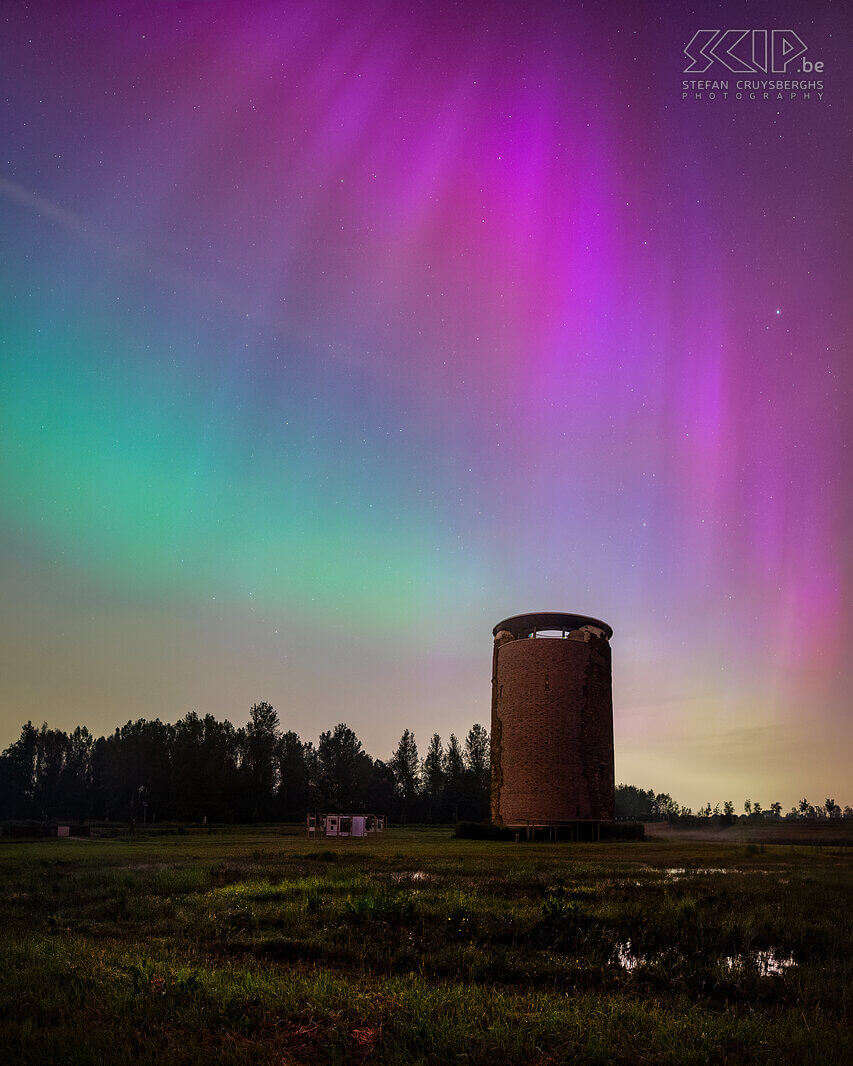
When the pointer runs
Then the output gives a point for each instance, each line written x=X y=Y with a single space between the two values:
x=201 y=768
x=641 y=805
x=204 y=769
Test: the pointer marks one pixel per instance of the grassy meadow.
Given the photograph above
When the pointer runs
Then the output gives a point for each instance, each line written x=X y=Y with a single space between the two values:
x=253 y=945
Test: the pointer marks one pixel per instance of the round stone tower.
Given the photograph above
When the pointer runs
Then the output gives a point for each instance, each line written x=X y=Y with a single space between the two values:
x=552 y=721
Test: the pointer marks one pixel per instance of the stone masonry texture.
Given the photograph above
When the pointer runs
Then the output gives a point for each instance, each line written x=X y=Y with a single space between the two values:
x=552 y=731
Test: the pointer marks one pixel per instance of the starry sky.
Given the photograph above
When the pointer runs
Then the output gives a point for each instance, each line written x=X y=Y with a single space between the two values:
x=333 y=333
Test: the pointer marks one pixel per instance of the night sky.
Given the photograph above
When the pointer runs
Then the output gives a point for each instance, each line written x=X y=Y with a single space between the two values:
x=332 y=333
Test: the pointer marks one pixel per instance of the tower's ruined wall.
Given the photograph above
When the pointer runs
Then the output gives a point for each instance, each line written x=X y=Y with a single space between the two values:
x=552 y=729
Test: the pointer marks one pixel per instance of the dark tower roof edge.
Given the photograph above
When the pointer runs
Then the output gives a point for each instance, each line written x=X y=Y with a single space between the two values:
x=522 y=625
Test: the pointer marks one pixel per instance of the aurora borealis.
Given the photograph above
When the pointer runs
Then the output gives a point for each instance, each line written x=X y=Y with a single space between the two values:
x=331 y=334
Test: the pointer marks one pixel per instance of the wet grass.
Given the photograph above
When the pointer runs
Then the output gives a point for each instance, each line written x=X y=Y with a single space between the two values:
x=255 y=946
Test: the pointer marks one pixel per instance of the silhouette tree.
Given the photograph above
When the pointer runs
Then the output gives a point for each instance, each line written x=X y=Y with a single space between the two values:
x=477 y=770
x=137 y=756
x=74 y=788
x=260 y=765
x=18 y=776
x=635 y=803
x=404 y=765
x=221 y=779
x=664 y=806
x=312 y=769
x=293 y=780
x=51 y=753
x=454 y=780
x=381 y=792
x=433 y=779
x=344 y=770
x=203 y=767
x=188 y=770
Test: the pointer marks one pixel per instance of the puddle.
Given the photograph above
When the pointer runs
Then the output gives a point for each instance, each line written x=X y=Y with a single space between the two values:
x=769 y=963
x=689 y=871
x=626 y=958
x=416 y=876
x=681 y=871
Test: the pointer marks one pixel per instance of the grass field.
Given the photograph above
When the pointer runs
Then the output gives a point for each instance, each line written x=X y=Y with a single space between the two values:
x=248 y=946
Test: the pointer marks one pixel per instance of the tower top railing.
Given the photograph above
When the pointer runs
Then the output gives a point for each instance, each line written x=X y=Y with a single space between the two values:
x=529 y=625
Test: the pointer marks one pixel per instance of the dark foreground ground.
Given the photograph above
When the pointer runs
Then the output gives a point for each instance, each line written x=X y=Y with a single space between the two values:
x=259 y=946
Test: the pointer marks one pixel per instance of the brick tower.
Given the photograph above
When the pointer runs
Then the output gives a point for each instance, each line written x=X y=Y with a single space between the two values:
x=552 y=722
